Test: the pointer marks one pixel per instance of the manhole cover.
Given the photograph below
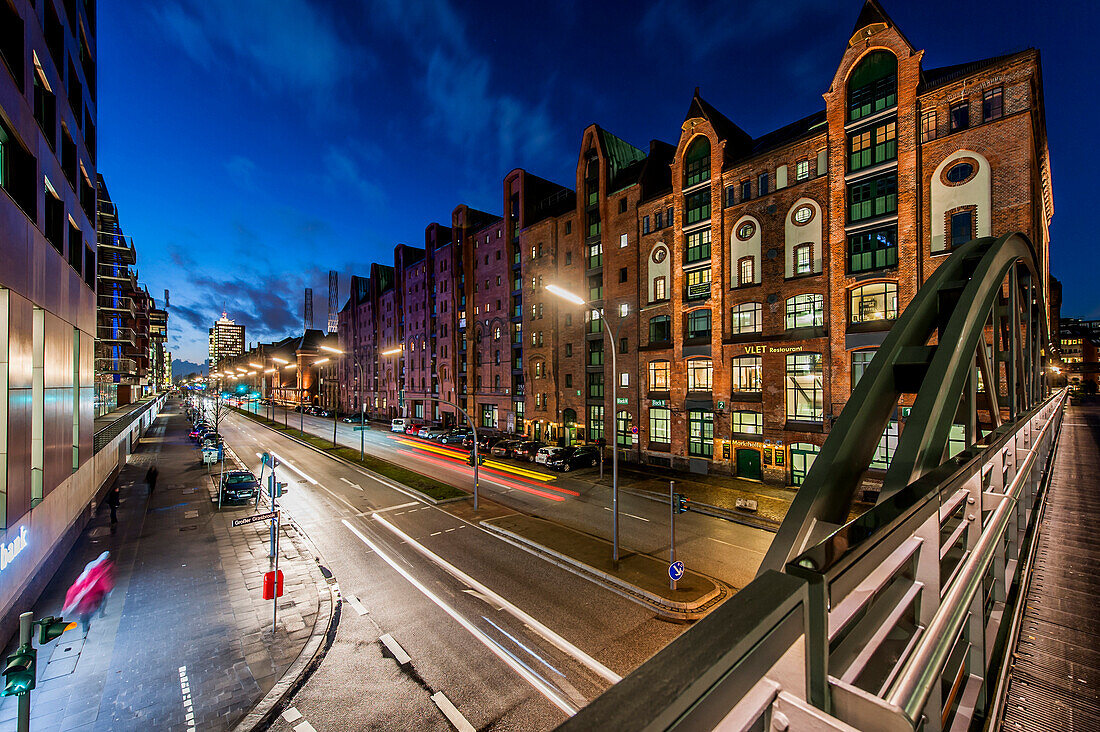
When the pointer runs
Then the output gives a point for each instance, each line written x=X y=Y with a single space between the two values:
x=190 y=514
x=192 y=527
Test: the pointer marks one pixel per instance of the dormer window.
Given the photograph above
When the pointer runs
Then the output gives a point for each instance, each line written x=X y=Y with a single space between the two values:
x=697 y=162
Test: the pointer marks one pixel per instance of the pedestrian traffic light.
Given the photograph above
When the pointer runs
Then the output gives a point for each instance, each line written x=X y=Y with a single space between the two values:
x=19 y=671
x=681 y=503
x=50 y=627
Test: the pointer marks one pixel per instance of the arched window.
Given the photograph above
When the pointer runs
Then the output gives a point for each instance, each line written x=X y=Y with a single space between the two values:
x=873 y=85
x=874 y=302
x=697 y=162
x=496 y=333
x=660 y=329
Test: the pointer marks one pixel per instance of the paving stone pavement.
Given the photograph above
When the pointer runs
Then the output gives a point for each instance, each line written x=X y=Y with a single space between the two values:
x=186 y=639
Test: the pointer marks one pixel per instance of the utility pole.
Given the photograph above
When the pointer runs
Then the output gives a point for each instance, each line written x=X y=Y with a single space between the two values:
x=671 y=530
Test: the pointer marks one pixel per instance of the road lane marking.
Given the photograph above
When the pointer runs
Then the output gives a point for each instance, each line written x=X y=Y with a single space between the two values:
x=447 y=531
x=437 y=533
x=283 y=462
x=723 y=542
x=354 y=602
x=624 y=513
x=395 y=648
x=515 y=640
x=550 y=636
x=292 y=715
x=542 y=686
x=353 y=485
x=451 y=712
x=304 y=727
x=403 y=505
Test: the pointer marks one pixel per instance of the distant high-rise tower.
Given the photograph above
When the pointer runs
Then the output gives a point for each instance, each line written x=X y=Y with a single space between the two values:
x=226 y=341
x=333 y=296
x=309 y=308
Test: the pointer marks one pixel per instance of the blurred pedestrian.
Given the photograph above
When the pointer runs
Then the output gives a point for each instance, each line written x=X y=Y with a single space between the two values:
x=90 y=591
x=151 y=478
x=112 y=501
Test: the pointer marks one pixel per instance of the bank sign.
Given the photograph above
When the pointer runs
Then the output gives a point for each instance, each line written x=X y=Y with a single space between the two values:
x=10 y=550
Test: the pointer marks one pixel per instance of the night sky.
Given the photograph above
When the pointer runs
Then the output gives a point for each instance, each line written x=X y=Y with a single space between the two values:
x=253 y=145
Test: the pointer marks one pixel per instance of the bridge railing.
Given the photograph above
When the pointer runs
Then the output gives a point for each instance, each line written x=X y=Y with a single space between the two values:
x=889 y=623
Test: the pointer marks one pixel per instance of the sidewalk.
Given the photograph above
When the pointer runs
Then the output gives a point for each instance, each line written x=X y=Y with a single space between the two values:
x=186 y=640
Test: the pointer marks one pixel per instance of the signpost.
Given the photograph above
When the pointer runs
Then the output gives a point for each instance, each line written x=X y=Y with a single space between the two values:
x=677 y=503
x=675 y=572
x=273 y=580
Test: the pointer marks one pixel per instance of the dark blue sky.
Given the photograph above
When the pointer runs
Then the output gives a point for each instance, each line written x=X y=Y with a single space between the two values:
x=252 y=145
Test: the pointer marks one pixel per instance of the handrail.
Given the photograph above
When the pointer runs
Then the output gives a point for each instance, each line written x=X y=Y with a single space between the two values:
x=922 y=669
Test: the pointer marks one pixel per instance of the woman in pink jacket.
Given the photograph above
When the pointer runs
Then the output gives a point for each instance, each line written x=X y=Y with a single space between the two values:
x=90 y=590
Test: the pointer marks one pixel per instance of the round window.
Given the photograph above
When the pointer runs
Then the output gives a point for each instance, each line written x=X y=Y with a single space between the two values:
x=802 y=214
x=959 y=173
x=746 y=230
x=659 y=254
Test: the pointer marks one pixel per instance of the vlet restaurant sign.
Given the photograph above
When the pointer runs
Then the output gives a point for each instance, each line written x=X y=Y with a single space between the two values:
x=772 y=349
x=10 y=550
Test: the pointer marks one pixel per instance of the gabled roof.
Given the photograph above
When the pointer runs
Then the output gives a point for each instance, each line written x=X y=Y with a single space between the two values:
x=656 y=175
x=872 y=13
x=623 y=159
x=805 y=127
x=737 y=139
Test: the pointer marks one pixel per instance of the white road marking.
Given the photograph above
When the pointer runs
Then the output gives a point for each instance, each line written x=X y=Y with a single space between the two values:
x=451 y=712
x=354 y=602
x=539 y=684
x=723 y=542
x=394 y=508
x=515 y=640
x=305 y=727
x=188 y=708
x=292 y=715
x=395 y=648
x=447 y=531
x=353 y=485
x=437 y=533
x=624 y=513
x=283 y=463
x=550 y=636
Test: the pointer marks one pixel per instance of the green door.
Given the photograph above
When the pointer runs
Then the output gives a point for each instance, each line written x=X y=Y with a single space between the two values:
x=748 y=463
x=802 y=458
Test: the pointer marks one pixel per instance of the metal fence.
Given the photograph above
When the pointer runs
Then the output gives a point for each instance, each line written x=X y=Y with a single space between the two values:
x=120 y=425
x=893 y=622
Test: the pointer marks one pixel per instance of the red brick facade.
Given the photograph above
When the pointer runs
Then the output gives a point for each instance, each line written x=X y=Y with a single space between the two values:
x=736 y=354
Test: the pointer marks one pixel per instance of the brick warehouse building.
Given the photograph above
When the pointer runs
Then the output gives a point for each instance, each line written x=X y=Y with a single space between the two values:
x=749 y=280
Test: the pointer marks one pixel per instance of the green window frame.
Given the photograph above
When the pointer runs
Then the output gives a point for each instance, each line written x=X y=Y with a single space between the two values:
x=698 y=324
x=660 y=329
x=860 y=361
x=697 y=162
x=698 y=284
x=805 y=311
x=623 y=420
x=595 y=385
x=873 y=302
x=697 y=207
x=805 y=396
x=874 y=197
x=595 y=422
x=873 y=85
x=660 y=425
x=874 y=249
x=697 y=246
x=701 y=433
x=873 y=145
x=747 y=422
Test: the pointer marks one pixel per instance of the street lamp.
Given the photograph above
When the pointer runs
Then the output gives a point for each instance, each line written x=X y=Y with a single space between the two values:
x=577 y=300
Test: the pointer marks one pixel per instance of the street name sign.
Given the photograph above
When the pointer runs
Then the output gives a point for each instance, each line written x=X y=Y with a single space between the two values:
x=362 y=428
x=253 y=519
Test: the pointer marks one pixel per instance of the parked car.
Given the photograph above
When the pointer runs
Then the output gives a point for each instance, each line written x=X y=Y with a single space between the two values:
x=571 y=458
x=455 y=436
x=435 y=433
x=503 y=448
x=197 y=430
x=239 y=485
x=414 y=428
x=545 y=453
x=353 y=419
x=399 y=424
x=485 y=440
x=527 y=450
x=319 y=412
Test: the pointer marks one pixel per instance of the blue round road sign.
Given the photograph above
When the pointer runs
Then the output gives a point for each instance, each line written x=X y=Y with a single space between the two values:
x=676 y=570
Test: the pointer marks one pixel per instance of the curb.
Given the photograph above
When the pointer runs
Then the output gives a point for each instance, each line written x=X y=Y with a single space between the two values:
x=263 y=714
x=665 y=608
x=407 y=490
x=708 y=509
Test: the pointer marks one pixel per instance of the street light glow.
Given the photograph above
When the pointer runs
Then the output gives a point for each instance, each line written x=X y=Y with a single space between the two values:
x=242 y=369
x=254 y=365
x=391 y=352
x=270 y=371
x=251 y=373
x=291 y=366
x=320 y=361
x=565 y=294
x=330 y=349
x=276 y=359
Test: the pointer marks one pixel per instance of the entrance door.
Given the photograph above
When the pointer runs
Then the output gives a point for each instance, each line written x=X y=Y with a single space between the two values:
x=802 y=458
x=748 y=463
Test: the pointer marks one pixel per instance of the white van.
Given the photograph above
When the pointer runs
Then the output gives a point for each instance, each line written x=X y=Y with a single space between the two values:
x=400 y=424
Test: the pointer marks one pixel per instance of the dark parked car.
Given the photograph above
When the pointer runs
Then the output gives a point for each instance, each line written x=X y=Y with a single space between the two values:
x=456 y=436
x=353 y=419
x=319 y=412
x=526 y=450
x=239 y=485
x=504 y=448
x=571 y=458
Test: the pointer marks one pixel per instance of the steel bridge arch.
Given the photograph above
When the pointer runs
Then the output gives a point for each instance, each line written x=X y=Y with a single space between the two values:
x=988 y=286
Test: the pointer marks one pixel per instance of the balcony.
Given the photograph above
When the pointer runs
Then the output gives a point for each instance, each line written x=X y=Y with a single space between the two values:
x=113 y=272
x=116 y=304
x=119 y=366
x=115 y=334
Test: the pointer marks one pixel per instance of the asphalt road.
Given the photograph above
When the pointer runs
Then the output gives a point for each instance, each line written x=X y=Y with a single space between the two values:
x=512 y=641
x=723 y=549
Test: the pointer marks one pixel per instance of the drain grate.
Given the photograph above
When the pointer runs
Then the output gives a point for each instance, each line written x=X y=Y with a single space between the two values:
x=190 y=527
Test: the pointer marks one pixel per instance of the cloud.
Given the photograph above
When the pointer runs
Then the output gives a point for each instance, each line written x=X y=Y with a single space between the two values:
x=282 y=45
x=242 y=171
x=344 y=172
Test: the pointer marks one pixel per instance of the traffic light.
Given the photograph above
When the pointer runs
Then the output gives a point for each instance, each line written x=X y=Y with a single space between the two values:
x=19 y=671
x=681 y=503
x=50 y=627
